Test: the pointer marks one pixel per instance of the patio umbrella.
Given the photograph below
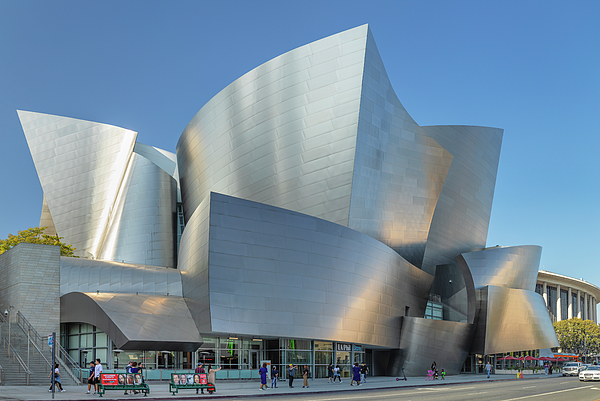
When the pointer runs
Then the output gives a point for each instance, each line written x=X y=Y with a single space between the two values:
x=530 y=358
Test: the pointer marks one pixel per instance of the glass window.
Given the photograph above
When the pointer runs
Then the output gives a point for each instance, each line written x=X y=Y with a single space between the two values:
x=73 y=329
x=298 y=357
x=323 y=346
x=574 y=302
x=74 y=342
x=298 y=344
x=101 y=340
x=322 y=357
x=86 y=341
x=564 y=305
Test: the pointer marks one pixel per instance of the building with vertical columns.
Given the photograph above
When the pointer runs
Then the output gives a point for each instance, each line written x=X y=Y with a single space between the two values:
x=568 y=297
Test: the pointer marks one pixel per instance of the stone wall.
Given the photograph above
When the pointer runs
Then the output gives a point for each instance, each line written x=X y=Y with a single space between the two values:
x=30 y=282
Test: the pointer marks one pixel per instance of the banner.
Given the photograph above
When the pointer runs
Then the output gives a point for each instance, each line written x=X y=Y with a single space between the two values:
x=109 y=379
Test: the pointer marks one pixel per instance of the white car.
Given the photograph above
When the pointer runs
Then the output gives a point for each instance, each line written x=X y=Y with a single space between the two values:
x=572 y=368
x=591 y=373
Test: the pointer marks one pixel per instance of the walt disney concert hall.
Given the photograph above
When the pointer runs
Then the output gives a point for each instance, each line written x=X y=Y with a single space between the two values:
x=304 y=218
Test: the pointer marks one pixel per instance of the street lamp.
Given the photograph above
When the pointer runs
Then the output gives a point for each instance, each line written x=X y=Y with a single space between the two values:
x=117 y=352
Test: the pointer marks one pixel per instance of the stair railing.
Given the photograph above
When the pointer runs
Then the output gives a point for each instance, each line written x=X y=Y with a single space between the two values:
x=61 y=355
x=17 y=357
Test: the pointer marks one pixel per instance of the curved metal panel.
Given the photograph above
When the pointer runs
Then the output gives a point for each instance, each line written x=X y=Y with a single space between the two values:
x=135 y=321
x=80 y=165
x=87 y=275
x=425 y=340
x=512 y=267
x=261 y=270
x=398 y=172
x=46 y=219
x=462 y=214
x=513 y=320
x=144 y=223
x=283 y=134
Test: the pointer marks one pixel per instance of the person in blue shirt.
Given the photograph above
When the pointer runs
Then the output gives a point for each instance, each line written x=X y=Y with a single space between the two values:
x=91 y=380
x=263 y=376
x=275 y=374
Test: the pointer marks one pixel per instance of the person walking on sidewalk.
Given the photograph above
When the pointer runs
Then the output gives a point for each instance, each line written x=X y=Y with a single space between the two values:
x=488 y=367
x=263 y=376
x=363 y=372
x=91 y=381
x=336 y=374
x=200 y=369
x=57 y=382
x=291 y=374
x=356 y=374
x=305 y=374
x=275 y=374
x=330 y=373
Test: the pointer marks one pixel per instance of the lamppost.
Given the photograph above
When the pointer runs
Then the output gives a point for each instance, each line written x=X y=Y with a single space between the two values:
x=117 y=352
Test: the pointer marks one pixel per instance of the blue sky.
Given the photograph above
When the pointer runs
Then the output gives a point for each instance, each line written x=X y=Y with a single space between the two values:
x=529 y=67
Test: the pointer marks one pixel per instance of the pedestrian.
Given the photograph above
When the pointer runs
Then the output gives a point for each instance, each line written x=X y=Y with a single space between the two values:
x=443 y=375
x=488 y=367
x=263 y=376
x=356 y=374
x=57 y=382
x=546 y=367
x=336 y=374
x=127 y=370
x=275 y=374
x=200 y=369
x=550 y=367
x=291 y=374
x=91 y=381
x=363 y=371
x=134 y=369
x=330 y=373
x=97 y=371
x=211 y=375
x=305 y=374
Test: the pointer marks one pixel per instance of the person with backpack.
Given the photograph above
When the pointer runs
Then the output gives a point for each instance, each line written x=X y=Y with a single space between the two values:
x=336 y=374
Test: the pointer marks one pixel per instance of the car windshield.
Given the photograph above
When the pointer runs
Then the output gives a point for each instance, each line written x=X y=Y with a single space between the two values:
x=570 y=364
x=593 y=368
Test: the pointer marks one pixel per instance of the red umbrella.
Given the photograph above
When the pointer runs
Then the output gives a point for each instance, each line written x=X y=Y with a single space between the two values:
x=530 y=358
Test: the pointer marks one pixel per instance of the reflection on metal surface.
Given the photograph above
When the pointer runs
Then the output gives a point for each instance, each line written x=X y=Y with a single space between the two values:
x=512 y=320
x=87 y=275
x=423 y=341
x=454 y=287
x=511 y=267
x=135 y=321
x=462 y=214
x=280 y=273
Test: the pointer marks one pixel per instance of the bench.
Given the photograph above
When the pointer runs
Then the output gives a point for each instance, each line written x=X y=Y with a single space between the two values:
x=196 y=381
x=123 y=382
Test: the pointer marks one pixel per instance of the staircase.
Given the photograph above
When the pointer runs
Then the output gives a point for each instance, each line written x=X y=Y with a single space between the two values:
x=26 y=360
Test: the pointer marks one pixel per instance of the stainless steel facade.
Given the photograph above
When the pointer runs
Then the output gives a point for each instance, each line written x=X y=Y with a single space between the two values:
x=265 y=271
x=315 y=207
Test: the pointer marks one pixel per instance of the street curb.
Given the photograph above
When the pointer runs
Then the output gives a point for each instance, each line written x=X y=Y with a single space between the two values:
x=213 y=397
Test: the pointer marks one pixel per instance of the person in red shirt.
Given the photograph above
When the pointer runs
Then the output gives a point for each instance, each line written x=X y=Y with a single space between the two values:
x=200 y=369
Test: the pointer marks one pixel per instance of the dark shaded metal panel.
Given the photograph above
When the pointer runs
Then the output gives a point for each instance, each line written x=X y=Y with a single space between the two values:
x=423 y=341
x=511 y=267
x=461 y=218
x=398 y=171
x=480 y=322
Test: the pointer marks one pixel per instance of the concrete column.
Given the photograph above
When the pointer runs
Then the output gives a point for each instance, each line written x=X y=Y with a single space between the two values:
x=570 y=304
x=545 y=293
x=585 y=306
x=558 y=304
x=594 y=317
x=579 y=312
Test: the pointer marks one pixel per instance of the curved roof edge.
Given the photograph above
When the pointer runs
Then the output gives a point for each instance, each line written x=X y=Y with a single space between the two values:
x=577 y=283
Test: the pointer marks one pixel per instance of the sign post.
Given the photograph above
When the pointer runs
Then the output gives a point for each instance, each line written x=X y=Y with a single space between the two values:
x=51 y=342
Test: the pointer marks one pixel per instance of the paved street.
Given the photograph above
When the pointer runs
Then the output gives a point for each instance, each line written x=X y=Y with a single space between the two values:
x=455 y=388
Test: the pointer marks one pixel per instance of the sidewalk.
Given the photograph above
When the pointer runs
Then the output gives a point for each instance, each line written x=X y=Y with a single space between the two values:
x=159 y=390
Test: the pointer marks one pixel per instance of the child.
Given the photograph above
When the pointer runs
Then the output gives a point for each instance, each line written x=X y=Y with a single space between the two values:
x=443 y=375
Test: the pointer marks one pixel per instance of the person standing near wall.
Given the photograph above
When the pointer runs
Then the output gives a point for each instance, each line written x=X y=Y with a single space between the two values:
x=200 y=369
x=263 y=376
x=305 y=374
x=275 y=374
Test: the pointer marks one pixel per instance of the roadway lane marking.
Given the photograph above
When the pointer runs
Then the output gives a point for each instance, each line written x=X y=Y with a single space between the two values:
x=530 y=387
x=444 y=389
x=552 y=392
x=483 y=392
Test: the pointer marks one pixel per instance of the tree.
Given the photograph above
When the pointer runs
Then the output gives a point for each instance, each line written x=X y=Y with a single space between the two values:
x=35 y=235
x=578 y=336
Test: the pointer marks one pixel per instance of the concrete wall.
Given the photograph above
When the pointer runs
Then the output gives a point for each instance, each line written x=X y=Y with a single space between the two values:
x=30 y=282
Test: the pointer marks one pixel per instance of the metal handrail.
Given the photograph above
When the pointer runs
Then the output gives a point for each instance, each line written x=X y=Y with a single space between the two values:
x=16 y=356
x=62 y=355
x=28 y=326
